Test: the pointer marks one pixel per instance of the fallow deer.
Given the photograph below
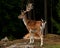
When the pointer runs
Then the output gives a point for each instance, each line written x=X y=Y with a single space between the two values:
x=34 y=27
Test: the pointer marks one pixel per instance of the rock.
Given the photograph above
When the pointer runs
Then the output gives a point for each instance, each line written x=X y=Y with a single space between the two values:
x=19 y=45
x=5 y=39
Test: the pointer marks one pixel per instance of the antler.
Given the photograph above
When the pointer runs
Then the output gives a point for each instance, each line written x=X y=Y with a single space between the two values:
x=29 y=7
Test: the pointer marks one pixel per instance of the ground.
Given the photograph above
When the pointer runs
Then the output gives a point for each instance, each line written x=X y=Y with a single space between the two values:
x=50 y=41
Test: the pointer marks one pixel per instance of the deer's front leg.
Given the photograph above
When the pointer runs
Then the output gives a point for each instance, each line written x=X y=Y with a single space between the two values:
x=31 y=36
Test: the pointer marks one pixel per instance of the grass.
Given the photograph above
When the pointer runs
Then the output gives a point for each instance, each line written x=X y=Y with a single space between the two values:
x=52 y=46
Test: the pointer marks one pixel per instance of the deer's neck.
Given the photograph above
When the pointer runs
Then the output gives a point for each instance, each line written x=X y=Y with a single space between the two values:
x=25 y=20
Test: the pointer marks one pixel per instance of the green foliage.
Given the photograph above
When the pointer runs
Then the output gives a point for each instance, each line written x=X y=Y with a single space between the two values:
x=58 y=12
x=57 y=25
x=55 y=19
x=52 y=46
x=58 y=9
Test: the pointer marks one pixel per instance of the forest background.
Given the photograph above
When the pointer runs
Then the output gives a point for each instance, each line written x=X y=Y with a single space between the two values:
x=14 y=28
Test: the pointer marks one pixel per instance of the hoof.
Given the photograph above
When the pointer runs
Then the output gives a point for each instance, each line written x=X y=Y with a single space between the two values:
x=41 y=46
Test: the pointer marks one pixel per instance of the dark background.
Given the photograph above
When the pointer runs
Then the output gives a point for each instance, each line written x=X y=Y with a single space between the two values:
x=14 y=28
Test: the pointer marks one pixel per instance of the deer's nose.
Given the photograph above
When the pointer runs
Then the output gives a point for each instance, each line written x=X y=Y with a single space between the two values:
x=19 y=16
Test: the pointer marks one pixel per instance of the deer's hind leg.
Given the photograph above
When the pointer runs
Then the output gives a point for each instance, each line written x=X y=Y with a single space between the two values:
x=41 y=37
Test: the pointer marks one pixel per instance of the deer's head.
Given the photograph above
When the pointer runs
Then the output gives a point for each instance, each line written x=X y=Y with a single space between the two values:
x=22 y=15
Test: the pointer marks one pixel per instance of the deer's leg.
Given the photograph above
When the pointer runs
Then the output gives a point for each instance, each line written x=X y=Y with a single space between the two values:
x=41 y=40
x=31 y=37
x=26 y=36
x=41 y=35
